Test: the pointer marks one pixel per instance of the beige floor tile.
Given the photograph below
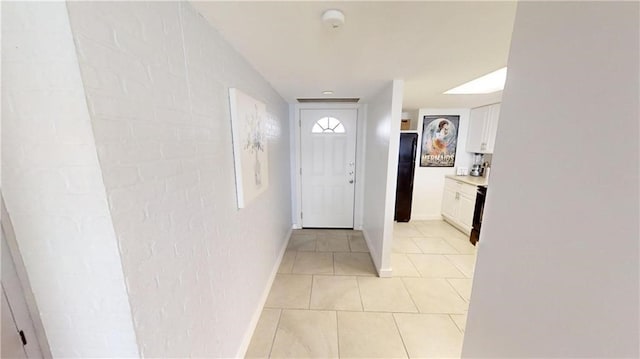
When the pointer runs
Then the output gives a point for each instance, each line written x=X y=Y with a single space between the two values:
x=290 y=291
x=262 y=338
x=462 y=246
x=439 y=229
x=402 y=266
x=354 y=264
x=346 y=280
x=332 y=233
x=333 y=245
x=385 y=295
x=430 y=335
x=358 y=244
x=369 y=335
x=435 y=296
x=432 y=232
x=302 y=242
x=286 y=266
x=306 y=231
x=335 y=293
x=462 y=286
x=434 y=245
x=306 y=334
x=404 y=245
x=303 y=232
x=405 y=230
x=460 y=320
x=454 y=233
x=313 y=263
x=434 y=266
x=466 y=263
x=426 y=225
x=431 y=223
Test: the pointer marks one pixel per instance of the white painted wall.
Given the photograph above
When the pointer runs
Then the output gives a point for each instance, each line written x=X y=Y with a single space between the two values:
x=382 y=140
x=557 y=272
x=53 y=187
x=197 y=269
x=428 y=182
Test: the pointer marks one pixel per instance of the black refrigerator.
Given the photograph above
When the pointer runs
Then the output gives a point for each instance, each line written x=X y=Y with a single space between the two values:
x=406 y=169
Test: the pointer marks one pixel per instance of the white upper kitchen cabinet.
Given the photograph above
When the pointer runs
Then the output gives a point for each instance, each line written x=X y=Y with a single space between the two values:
x=483 y=125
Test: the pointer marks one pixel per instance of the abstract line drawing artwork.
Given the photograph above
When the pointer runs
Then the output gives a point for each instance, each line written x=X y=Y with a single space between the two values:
x=250 y=151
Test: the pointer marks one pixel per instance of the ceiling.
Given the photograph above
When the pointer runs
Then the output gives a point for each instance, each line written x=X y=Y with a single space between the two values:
x=433 y=46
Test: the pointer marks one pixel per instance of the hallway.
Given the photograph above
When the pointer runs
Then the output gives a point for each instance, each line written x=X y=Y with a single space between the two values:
x=327 y=302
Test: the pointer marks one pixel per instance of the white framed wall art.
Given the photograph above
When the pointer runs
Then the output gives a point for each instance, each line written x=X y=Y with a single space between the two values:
x=250 y=151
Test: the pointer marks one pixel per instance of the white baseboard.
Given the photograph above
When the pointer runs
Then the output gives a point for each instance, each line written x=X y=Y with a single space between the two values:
x=256 y=315
x=385 y=273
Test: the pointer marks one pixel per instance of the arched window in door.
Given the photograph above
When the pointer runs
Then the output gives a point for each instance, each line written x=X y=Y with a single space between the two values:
x=328 y=125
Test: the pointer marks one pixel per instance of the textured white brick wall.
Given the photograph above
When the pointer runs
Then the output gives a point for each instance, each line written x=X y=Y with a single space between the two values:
x=157 y=78
x=54 y=190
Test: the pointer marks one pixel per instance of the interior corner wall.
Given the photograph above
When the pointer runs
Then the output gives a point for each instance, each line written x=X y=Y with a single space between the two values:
x=557 y=274
x=428 y=182
x=198 y=269
x=52 y=184
x=382 y=140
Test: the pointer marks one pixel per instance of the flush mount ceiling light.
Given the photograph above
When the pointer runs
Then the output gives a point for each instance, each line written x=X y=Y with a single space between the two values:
x=333 y=18
x=327 y=92
x=488 y=83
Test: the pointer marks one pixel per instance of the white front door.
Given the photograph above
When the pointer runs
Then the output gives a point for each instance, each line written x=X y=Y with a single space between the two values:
x=328 y=164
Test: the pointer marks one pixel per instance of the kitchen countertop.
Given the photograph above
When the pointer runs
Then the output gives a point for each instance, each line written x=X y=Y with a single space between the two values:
x=474 y=181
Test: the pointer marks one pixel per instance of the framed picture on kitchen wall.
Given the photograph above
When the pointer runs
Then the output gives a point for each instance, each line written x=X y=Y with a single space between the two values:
x=439 y=141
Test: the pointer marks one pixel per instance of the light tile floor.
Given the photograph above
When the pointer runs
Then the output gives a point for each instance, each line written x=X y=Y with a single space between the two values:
x=327 y=302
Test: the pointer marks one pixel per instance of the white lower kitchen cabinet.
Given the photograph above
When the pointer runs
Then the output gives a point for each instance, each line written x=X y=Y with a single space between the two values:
x=449 y=202
x=458 y=204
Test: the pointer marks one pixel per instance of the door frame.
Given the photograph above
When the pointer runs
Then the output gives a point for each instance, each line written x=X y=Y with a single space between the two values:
x=296 y=158
x=14 y=294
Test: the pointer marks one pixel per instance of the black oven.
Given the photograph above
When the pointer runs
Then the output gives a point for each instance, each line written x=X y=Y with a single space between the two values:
x=477 y=215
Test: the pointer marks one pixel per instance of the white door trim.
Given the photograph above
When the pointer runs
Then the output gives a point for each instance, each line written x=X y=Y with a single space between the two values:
x=296 y=180
x=39 y=347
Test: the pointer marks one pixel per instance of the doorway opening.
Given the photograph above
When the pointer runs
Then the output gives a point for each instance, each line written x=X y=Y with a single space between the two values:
x=327 y=140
